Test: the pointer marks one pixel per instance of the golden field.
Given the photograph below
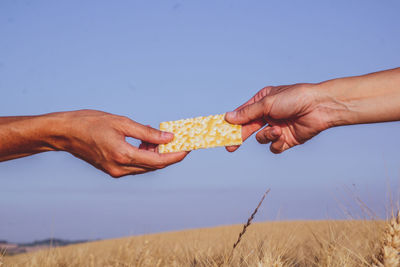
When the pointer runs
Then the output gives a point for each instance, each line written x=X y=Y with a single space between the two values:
x=286 y=243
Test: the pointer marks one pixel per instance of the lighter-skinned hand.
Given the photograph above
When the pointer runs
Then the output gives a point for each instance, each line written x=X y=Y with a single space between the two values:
x=291 y=113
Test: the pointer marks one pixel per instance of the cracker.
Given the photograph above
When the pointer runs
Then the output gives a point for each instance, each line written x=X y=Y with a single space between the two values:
x=200 y=132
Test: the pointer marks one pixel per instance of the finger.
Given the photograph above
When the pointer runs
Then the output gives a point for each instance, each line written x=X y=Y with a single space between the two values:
x=257 y=97
x=232 y=148
x=120 y=171
x=249 y=113
x=269 y=134
x=249 y=128
x=146 y=133
x=150 y=159
x=247 y=131
x=279 y=145
x=136 y=170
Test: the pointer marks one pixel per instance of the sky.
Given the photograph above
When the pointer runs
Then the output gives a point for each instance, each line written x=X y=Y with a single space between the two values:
x=155 y=61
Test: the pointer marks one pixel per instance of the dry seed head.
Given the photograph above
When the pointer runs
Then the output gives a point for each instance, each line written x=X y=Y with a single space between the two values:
x=390 y=252
x=249 y=220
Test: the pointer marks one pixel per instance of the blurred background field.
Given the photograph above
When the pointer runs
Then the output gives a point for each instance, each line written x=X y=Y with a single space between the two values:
x=291 y=243
x=161 y=61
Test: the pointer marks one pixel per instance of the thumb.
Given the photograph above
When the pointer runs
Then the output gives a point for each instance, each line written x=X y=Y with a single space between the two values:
x=249 y=113
x=148 y=134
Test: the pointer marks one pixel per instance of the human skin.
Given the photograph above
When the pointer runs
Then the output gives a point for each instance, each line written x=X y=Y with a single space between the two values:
x=93 y=136
x=293 y=114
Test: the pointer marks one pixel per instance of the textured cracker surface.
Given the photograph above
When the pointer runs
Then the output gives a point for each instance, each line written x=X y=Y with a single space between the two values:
x=200 y=132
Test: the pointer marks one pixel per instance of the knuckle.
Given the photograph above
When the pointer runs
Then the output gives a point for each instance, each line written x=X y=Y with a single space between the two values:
x=259 y=95
x=241 y=111
x=153 y=132
x=121 y=158
x=160 y=165
x=266 y=101
x=244 y=113
x=263 y=93
x=162 y=162
x=260 y=138
x=115 y=172
x=273 y=135
x=123 y=119
x=267 y=133
x=263 y=137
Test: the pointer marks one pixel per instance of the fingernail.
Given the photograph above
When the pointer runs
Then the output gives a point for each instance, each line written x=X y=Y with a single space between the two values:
x=167 y=135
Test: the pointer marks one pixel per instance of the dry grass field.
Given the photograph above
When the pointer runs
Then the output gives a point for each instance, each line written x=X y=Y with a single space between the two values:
x=291 y=243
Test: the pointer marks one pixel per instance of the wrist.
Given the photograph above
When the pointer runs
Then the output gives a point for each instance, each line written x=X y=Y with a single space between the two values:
x=56 y=128
x=333 y=103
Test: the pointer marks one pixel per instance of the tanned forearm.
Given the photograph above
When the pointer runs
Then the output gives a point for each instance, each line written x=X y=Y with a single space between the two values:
x=4 y=120
x=27 y=135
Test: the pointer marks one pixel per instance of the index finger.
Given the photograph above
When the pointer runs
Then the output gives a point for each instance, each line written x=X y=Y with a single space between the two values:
x=249 y=128
x=257 y=97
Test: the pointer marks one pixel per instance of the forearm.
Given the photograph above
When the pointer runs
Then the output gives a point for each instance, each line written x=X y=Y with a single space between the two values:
x=24 y=136
x=4 y=120
x=369 y=98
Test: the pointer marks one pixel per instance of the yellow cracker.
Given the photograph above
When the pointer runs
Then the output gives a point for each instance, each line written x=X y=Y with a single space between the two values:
x=200 y=132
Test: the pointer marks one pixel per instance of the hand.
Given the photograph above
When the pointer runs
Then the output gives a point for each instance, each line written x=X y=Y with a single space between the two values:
x=99 y=139
x=294 y=114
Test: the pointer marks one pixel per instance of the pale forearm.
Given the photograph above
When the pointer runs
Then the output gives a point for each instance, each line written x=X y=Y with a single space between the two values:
x=27 y=135
x=369 y=98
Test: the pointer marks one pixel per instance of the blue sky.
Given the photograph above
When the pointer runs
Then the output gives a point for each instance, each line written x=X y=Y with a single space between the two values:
x=165 y=60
